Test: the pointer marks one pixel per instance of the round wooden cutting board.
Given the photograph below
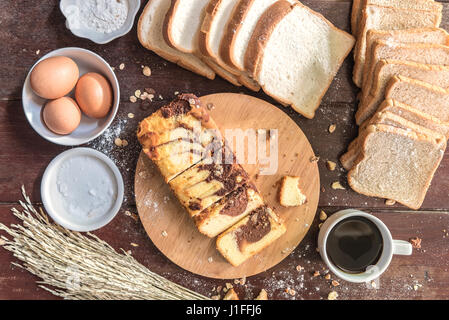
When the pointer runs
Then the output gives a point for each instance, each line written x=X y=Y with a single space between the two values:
x=174 y=232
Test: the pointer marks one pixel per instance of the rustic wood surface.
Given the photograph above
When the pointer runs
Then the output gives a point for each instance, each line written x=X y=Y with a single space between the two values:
x=29 y=29
x=190 y=249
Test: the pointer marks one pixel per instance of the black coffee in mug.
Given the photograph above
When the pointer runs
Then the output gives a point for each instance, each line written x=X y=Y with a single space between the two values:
x=354 y=243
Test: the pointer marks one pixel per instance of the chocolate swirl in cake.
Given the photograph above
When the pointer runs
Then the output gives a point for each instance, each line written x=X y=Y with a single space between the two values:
x=257 y=227
x=236 y=202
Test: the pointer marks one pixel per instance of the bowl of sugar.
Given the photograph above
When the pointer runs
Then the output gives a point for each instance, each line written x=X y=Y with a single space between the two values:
x=82 y=189
x=100 y=21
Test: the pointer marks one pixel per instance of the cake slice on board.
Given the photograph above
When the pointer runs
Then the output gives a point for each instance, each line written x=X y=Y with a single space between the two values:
x=290 y=194
x=250 y=236
x=228 y=211
x=397 y=164
x=285 y=32
x=208 y=181
x=149 y=31
x=388 y=18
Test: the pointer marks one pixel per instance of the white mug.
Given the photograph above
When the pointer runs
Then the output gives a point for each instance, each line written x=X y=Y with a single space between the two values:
x=390 y=247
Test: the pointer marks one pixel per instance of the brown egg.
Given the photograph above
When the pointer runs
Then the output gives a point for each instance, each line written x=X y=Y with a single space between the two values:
x=54 y=77
x=94 y=95
x=62 y=116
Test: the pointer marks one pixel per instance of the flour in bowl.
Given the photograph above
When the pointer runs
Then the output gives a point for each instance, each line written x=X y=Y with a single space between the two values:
x=103 y=16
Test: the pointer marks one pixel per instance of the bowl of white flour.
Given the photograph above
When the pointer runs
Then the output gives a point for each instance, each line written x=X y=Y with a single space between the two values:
x=99 y=20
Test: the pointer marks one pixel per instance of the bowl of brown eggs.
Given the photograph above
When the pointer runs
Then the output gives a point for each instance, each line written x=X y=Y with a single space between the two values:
x=70 y=96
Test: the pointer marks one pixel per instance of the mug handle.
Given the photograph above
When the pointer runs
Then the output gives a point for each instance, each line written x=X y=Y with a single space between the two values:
x=402 y=248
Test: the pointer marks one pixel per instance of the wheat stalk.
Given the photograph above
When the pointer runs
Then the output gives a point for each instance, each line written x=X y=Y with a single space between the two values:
x=82 y=266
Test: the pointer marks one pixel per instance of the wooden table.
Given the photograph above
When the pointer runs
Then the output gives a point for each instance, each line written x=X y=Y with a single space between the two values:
x=29 y=29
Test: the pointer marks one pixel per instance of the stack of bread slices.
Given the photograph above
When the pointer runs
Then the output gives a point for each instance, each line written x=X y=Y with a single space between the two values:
x=281 y=46
x=402 y=66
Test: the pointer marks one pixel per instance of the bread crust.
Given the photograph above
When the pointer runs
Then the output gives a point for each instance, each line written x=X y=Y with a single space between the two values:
x=410 y=134
x=210 y=74
x=228 y=41
x=355 y=16
x=168 y=24
x=203 y=38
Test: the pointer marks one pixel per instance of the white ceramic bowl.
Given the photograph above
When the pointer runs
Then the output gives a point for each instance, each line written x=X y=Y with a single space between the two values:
x=69 y=9
x=89 y=128
x=51 y=200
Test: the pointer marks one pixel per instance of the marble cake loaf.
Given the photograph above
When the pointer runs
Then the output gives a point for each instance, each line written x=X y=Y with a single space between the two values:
x=179 y=135
x=186 y=145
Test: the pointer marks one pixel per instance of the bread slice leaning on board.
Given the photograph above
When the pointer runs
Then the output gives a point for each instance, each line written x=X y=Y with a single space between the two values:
x=294 y=54
x=149 y=32
x=214 y=37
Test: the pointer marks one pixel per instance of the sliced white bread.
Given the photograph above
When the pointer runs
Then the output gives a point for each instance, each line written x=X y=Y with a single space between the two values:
x=294 y=53
x=388 y=18
x=411 y=114
x=239 y=30
x=250 y=236
x=386 y=69
x=149 y=31
x=182 y=24
x=359 y=5
x=179 y=32
x=397 y=164
x=355 y=16
x=424 y=35
x=348 y=158
x=398 y=115
x=426 y=53
x=217 y=15
x=425 y=97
